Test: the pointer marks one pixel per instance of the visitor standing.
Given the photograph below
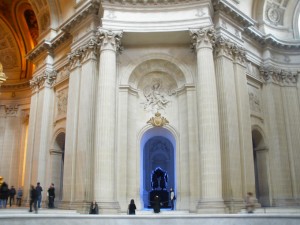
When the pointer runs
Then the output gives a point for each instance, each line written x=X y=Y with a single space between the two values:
x=33 y=199
x=39 y=190
x=131 y=207
x=51 y=196
x=19 y=196
x=94 y=208
x=12 y=193
x=172 y=198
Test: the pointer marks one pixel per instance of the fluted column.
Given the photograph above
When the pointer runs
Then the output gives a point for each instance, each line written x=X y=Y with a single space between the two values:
x=105 y=130
x=208 y=123
x=229 y=125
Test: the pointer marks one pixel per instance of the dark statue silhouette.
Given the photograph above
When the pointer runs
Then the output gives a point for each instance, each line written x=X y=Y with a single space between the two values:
x=159 y=184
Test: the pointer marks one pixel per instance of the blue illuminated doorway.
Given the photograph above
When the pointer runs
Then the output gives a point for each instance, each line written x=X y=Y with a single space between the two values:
x=158 y=153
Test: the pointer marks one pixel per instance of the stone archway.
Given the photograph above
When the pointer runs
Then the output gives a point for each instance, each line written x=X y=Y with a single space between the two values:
x=260 y=155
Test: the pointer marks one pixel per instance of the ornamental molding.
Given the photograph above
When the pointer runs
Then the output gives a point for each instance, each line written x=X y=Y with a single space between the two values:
x=19 y=86
x=202 y=37
x=148 y=2
x=46 y=79
x=278 y=76
x=158 y=120
x=91 y=8
x=270 y=40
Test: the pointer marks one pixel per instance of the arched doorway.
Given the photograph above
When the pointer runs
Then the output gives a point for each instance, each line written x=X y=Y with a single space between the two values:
x=57 y=164
x=260 y=154
x=158 y=173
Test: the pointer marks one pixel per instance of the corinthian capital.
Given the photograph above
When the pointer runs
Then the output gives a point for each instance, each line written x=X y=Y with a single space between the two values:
x=203 y=37
x=110 y=39
x=45 y=79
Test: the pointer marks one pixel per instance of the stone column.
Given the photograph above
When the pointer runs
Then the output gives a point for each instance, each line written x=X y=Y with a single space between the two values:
x=208 y=123
x=105 y=128
x=229 y=124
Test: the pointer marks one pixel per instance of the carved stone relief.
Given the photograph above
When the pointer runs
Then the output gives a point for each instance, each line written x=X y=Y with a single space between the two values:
x=11 y=110
x=254 y=102
x=62 y=102
x=274 y=14
x=157 y=89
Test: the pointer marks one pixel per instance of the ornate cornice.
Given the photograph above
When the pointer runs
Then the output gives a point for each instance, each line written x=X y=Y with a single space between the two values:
x=234 y=13
x=46 y=79
x=269 y=39
x=92 y=7
x=202 y=36
x=46 y=45
x=278 y=76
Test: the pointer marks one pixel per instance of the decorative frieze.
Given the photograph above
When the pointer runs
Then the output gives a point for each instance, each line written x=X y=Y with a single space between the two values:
x=9 y=110
x=46 y=79
x=279 y=76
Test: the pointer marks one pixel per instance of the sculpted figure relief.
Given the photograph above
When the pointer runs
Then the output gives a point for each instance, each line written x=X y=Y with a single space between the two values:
x=155 y=97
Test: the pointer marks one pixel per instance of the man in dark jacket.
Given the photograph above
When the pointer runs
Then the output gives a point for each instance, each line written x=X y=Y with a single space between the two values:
x=33 y=199
x=12 y=193
x=4 y=193
x=51 y=196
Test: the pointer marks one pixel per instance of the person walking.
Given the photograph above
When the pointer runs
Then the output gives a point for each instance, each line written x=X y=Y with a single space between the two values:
x=156 y=204
x=51 y=196
x=39 y=190
x=12 y=193
x=33 y=199
x=131 y=207
x=19 y=196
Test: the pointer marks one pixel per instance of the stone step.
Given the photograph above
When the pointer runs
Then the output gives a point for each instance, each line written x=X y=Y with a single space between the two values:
x=23 y=210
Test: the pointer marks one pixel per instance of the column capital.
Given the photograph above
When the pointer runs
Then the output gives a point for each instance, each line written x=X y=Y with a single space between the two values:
x=202 y=37
x=46 y=79
x=110 y=39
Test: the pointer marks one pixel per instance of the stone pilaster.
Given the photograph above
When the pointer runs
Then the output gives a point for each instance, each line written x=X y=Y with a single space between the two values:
x=40 y=124
x=229 y=125
x=86 y=123
x=246 y=148
x=208 y=123
x=280 y=167
x=72 y=127
x=105 y=128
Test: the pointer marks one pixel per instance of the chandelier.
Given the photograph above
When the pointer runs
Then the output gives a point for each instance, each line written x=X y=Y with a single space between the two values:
x=2 y=75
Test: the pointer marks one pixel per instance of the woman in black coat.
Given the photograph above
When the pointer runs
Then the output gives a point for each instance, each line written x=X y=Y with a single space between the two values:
x=131 y=208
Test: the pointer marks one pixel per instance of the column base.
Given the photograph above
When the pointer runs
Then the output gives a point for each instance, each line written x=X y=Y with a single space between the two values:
x=211 y=207
x=287 y=202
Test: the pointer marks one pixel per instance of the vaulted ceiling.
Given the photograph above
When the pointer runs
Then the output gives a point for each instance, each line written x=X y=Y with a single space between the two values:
x=24 y=23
